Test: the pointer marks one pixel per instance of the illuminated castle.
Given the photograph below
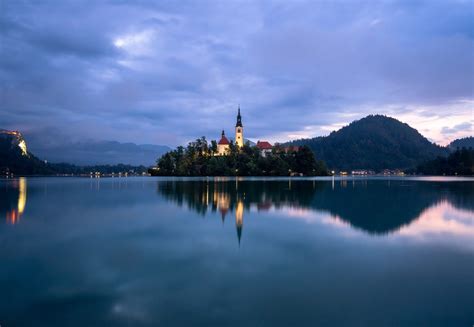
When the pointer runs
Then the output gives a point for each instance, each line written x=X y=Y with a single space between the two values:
x=16 y=139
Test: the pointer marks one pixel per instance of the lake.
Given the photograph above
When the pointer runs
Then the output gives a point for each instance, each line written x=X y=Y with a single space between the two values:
x=237 y=252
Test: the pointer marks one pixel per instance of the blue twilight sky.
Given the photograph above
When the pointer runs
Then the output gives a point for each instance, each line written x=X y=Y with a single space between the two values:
x=165 y=72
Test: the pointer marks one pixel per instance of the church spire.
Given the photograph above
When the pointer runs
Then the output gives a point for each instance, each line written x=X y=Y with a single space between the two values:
x=239 y=119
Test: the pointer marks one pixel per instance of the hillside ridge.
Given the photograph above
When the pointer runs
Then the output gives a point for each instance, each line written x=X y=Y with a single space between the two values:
x=374 y=142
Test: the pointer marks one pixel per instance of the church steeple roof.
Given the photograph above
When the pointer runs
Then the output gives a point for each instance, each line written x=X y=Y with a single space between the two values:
x=223 y=140
x=239 y=119
x=239 y=233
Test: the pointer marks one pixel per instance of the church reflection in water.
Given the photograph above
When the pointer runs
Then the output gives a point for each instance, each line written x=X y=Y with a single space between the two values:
x=222 y=201
x=219 y=195
x=14 y=199
x=377 y=207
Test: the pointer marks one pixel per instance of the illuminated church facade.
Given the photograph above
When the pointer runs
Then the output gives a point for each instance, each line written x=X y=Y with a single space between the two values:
x=224 y=144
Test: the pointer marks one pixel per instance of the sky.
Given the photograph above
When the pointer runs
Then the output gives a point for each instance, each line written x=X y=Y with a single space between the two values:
x=167 y=72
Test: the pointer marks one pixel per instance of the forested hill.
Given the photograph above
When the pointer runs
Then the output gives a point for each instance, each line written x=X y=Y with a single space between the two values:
x=466 y=142
x=375 y=142
x=16 y=159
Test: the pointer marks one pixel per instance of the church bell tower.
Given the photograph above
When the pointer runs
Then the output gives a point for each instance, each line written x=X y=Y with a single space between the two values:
x=239 y=131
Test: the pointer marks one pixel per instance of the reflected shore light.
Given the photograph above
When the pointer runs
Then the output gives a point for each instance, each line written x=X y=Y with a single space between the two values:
x=13 y=216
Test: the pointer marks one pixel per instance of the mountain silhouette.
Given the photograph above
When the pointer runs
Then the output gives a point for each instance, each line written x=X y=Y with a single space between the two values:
x=375 y=142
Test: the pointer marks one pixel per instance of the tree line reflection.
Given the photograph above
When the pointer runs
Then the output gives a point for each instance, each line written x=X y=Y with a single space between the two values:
x=376 y=207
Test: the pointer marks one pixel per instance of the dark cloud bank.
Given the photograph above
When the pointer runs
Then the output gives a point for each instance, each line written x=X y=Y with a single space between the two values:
x=167 y=72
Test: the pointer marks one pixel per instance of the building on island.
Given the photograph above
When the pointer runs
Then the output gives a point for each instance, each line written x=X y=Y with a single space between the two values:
x=223 y=145
x=291 y=148
x=264 y=147
x=239 y=131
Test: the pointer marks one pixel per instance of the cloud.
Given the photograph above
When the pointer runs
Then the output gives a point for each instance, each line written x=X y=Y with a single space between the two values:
x=167 y=73
x=458 y=128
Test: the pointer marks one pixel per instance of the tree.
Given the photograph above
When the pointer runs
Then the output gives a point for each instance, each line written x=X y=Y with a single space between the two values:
x=198 y=159
x=213 y=147
x=460 y=162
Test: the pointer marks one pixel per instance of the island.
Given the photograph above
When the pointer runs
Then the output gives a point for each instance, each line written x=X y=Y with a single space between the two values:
x=238 y=158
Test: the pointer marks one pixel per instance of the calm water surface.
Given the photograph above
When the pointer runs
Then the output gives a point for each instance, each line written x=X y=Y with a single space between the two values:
x=226 y=252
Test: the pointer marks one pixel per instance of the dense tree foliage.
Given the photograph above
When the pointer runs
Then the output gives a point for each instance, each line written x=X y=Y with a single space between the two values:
x=460 y=162
x=199 y=159
x=374 y=142
x=466 y=142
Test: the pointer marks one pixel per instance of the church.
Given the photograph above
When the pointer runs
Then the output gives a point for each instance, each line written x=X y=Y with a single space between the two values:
x=224 y=144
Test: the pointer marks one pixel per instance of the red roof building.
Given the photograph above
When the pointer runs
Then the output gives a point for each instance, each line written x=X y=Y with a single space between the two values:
x=264 y=145
x=291 y=148
x=224 y=140
x=223 y=145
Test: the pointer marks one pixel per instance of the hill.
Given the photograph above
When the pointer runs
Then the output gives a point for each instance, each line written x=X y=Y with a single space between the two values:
x=466 y=142
x=101 y=153
x=375 y=142
x=15 y=158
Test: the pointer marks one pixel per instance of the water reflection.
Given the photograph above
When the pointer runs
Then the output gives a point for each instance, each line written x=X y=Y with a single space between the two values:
x=375 y=207
x=13 y=201
x=440 y=221
x=126 y=254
